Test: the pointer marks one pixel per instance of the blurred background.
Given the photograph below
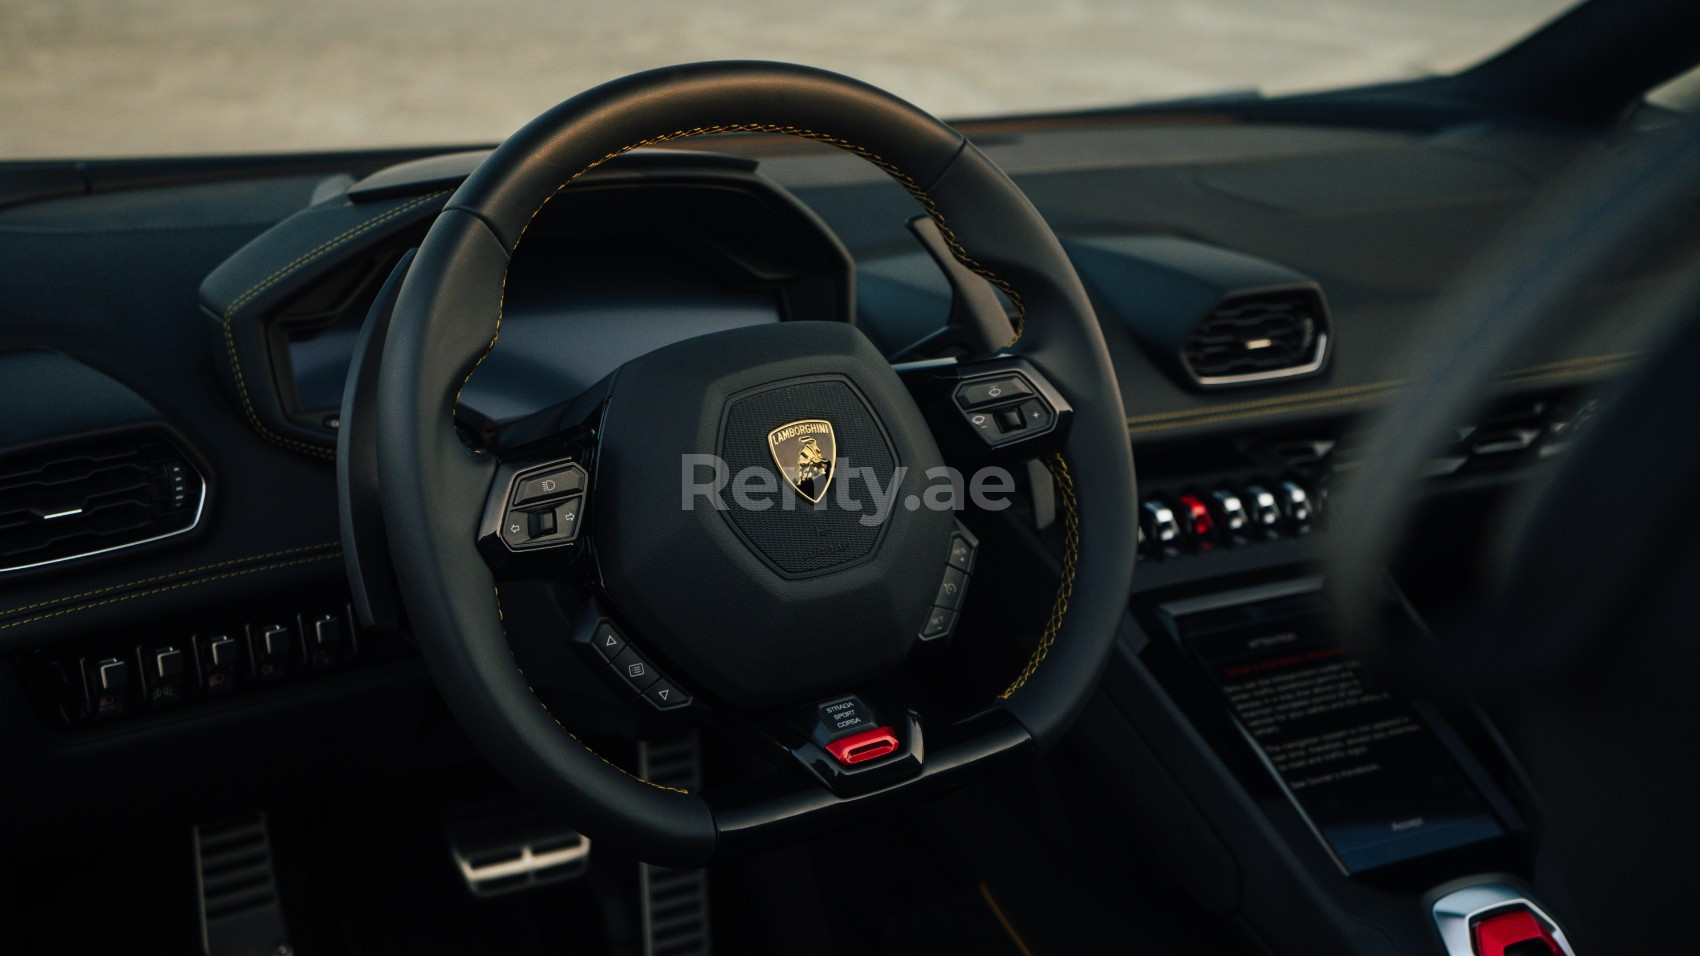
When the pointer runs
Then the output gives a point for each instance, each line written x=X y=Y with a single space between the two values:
x=90 y=78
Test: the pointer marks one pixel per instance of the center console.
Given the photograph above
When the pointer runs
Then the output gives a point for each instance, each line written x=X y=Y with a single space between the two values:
x=1326 y=808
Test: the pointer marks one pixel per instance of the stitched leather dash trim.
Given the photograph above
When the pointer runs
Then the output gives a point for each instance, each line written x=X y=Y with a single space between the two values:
x=1070 y=560
x=185 y=572
x=539 y=698
x=178 y=586
x=1351 y=394
x=293 y=266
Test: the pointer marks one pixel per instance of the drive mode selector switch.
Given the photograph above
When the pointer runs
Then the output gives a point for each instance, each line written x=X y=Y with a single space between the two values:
x=848 y=729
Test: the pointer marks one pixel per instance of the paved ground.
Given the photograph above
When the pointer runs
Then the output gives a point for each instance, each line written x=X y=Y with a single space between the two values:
x=128 y=77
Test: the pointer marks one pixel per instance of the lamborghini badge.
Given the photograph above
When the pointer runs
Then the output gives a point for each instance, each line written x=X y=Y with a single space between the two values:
x=804 y=451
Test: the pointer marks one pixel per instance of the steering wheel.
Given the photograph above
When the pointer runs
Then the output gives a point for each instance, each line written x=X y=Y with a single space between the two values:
x=703 y=599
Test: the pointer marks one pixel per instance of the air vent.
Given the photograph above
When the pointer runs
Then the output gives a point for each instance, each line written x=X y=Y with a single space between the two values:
x=89 y=497
x=1258 y=337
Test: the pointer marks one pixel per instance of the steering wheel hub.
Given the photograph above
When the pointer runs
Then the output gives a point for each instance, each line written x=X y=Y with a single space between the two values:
x=759 y=594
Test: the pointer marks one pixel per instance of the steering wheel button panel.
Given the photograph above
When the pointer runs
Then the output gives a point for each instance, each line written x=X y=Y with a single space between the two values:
x=952 y=589
x=939 y=624
x=554 y=483
x=992 y=391
x=542 y=528
x=1004 y=408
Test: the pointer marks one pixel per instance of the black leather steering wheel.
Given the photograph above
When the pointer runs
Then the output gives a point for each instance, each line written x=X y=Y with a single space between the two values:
x=704 y=594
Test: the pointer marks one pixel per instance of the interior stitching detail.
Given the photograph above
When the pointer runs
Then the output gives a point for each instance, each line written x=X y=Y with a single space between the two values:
x=1071 y=558
x=185 y=572
x=539 y=698
x=170 y=587
x=1328 y=398
x=1003 y=920
x=282 y=273
x=902 y=178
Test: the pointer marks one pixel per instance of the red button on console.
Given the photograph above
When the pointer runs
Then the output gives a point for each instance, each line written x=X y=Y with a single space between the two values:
x=864 y=746
x=1498 y=933
x=1198 y=519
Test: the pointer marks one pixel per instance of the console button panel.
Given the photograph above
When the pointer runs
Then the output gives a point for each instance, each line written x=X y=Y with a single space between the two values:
x=1199 y=518
x=154 y=668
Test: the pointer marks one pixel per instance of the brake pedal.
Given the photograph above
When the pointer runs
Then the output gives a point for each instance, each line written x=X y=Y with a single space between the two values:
x=501 y=847
x=236 y=883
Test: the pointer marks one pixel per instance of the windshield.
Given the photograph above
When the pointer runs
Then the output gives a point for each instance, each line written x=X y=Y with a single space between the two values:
x=92 y=78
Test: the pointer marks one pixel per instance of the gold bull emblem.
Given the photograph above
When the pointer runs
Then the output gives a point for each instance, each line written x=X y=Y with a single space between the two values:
x=804 y=451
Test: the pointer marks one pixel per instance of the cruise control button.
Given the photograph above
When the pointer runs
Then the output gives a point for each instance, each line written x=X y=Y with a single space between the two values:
x=961 y=553
x=939 y=624
x=991 y=391
x=563 y=481
x=955 y=584
x=666 y=695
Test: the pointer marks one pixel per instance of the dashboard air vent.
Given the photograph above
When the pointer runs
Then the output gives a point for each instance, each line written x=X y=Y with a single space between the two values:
x=1258 y=337
x=89 y=497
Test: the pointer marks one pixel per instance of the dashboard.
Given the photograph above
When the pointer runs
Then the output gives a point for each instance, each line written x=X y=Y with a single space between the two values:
x=219 y=310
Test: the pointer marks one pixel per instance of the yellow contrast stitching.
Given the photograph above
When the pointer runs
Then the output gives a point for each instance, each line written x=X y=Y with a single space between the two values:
x=1213 y=419
x=1003 y=920
x=1263 y=402
x=170 y=587
x=283 y=272
x=902 y=178
x=1334 y=397
x=503 y=618
x=166 y=577
x=1071 y=557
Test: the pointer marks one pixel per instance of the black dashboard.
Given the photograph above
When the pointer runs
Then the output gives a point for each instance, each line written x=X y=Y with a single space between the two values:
x=218 y=311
